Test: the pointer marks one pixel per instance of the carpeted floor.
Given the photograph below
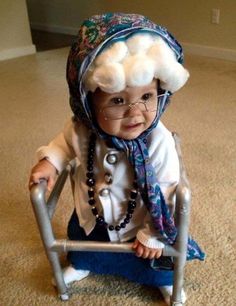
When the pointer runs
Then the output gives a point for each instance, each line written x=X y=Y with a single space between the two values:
x=34 y=106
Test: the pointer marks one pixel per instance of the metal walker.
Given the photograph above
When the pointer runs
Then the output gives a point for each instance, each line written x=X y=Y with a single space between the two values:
x=44 y=211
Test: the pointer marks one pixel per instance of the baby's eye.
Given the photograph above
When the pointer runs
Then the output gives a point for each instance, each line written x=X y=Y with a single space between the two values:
x=117 y=101
x=146 y=97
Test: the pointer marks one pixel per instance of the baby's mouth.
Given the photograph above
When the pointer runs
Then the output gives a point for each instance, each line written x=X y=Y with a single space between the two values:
x=133 y=125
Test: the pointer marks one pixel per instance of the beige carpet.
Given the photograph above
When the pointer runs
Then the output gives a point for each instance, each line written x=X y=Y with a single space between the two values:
x=34 y=106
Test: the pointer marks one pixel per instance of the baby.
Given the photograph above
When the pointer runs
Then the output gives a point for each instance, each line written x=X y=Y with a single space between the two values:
x=121 y=72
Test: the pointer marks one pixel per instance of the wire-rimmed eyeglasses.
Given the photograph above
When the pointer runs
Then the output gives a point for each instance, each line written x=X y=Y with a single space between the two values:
x=121 y=111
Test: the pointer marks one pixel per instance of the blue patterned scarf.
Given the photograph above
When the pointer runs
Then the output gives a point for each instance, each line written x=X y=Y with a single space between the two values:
x=94 y=35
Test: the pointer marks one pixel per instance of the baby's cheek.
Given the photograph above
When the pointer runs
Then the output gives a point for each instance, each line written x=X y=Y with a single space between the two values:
x=111 y=127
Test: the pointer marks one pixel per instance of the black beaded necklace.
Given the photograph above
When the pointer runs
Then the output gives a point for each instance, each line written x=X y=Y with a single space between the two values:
x=91 y=192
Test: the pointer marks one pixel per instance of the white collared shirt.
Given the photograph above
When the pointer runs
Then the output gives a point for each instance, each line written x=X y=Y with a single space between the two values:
x=114 y=179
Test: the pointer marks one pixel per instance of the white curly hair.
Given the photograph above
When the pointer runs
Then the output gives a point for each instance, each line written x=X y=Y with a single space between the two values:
x=136 y=62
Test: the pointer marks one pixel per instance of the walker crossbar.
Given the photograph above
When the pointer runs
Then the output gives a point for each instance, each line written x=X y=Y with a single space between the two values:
x=64 y=245
x=44 y=210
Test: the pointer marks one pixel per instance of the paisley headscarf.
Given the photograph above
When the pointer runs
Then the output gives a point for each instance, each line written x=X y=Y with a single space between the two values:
x=94 y=34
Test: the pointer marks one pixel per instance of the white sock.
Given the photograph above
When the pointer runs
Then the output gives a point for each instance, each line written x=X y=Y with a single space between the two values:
x=71 y=275
x=166 y=291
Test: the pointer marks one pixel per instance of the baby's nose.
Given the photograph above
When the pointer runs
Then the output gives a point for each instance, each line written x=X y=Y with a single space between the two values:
x=134 y=110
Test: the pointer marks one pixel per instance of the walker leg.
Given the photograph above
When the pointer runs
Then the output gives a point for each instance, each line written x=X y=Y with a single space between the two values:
x=45 y=228
x=58 y=274
x=176 y=298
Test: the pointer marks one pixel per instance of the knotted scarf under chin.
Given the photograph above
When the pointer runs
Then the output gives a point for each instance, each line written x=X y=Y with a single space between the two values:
x=150 y=191
x=163 y=221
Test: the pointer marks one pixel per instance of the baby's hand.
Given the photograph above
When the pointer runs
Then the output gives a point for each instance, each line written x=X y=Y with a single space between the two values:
x=145 y=252
x=43 y=170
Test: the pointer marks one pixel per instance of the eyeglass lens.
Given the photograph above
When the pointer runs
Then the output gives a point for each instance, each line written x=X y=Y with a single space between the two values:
x=122 y=111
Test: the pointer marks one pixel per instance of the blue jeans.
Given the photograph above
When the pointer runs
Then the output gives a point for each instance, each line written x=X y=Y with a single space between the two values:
x=123 y=264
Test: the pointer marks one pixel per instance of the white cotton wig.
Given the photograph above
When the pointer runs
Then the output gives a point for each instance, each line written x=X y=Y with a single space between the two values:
x=136 y=62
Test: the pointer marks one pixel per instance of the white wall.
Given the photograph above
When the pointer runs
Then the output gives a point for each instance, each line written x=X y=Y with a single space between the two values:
x=15 y=36
x=188 y=20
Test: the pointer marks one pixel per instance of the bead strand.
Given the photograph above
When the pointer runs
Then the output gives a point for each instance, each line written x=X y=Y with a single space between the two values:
x=91 y=192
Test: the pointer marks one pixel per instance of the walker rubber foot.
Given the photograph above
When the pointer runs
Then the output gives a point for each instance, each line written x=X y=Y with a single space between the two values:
x=64 y=297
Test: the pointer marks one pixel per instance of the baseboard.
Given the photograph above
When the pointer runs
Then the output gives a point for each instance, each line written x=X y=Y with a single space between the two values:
x=220 y=53
x=54 y=28
x=17 y=52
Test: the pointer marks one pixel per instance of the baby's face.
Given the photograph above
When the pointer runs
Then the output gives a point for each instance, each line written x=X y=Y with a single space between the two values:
x=135 y=119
